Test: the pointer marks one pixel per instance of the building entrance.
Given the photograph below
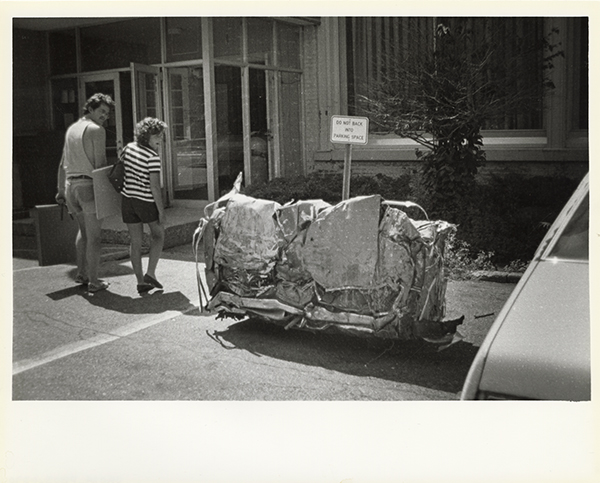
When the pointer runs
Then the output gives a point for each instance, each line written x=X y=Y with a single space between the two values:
x=241 y=122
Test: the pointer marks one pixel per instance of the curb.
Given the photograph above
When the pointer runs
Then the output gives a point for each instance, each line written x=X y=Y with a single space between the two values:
x=174 y=235
x=117 y=252
x=494 y=276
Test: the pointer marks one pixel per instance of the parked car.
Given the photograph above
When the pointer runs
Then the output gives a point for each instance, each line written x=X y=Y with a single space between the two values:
x=539 y=345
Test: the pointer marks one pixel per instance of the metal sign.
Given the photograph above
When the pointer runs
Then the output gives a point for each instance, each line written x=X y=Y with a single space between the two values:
x=349 y=129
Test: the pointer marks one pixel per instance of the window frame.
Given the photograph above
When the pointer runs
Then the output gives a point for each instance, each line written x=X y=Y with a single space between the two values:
x=557 y=121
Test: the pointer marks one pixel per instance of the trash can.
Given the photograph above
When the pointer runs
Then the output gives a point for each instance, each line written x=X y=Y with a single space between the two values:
x=55 y=232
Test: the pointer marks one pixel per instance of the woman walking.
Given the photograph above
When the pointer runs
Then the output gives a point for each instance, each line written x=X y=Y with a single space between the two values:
x=142 y=200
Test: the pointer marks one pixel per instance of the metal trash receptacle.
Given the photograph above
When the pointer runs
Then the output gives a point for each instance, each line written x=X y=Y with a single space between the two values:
x=55 y=233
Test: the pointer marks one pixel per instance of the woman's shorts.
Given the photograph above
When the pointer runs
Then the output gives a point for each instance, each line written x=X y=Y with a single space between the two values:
x=138 y=211
x=79 y=195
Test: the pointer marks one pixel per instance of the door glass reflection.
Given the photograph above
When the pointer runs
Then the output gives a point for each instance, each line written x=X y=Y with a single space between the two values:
x=230 y=148
x=188 y=134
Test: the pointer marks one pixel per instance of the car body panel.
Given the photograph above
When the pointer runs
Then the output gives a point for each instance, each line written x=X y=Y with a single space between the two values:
x=539 y=345
x=543 y=349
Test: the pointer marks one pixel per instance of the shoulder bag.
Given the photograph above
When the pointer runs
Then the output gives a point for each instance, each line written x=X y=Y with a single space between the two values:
x=116 y=175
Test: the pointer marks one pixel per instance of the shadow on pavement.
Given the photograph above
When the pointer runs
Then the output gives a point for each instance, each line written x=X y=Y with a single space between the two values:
x=67 y=292
x=152 y=303
x=408 y=362
x=183 y=253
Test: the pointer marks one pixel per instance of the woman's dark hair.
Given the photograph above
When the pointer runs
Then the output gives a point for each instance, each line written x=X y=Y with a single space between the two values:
x=96 y=101
x=146 y=128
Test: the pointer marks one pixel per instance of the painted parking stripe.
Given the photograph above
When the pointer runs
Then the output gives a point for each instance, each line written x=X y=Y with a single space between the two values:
x=97 y=340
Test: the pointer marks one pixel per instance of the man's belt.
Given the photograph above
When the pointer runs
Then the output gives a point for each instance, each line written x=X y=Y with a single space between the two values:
x=81 y=176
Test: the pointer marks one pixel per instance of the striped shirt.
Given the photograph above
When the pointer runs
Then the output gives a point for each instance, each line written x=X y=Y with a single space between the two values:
x=139 y=162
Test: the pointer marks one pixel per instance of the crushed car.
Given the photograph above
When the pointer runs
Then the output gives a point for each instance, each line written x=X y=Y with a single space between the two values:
x=361 y=266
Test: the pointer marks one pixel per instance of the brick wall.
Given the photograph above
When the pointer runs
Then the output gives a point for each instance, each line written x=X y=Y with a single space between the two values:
x=569 y=169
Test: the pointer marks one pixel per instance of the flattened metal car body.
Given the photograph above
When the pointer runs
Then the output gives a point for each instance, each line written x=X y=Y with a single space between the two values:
x=361 y=266
x=539 y=345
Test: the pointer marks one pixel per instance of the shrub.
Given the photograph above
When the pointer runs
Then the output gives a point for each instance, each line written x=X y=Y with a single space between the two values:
x=509 y=216
x=315 y=186
x=328 y=187
x=460 y=261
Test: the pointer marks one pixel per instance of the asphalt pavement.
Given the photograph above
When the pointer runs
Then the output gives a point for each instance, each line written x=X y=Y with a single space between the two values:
x=117 y=345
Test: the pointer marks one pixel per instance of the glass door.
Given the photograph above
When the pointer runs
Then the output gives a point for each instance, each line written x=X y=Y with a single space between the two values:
x=187 y=133
x=260 y=128
x=146 y=100
x=106 y=84
x=229 y=120
x=290 y=122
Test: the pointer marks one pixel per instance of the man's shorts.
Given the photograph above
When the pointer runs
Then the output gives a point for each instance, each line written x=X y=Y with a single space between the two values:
x=79 y=195
x=138 y=211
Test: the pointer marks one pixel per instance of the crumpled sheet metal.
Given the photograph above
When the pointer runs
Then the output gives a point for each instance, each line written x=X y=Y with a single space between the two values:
x=340 y=250
x=360 y=266
x=250 y=240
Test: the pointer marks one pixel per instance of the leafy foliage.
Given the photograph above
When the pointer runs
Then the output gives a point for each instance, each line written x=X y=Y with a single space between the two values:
x=328 y=187
x=461 y=261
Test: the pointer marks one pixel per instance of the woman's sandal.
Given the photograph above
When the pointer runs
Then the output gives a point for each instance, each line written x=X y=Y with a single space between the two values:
x=144 y=287
x=81 y=279
x=97 y=287
x=152 y=281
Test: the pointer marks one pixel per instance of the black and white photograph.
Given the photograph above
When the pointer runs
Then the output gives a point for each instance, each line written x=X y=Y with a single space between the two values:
x=258 y=242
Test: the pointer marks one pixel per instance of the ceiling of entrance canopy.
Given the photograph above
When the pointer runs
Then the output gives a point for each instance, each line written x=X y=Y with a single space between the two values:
x=54 y=23
x=58 y=23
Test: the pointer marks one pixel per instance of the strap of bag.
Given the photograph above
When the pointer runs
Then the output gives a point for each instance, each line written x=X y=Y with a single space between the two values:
x=202 y=292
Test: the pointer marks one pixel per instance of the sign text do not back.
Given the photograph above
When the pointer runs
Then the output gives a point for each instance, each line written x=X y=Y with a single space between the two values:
x=349 y=129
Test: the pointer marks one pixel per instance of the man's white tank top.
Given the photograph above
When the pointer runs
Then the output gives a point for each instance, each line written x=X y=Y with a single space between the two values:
x=76 y=162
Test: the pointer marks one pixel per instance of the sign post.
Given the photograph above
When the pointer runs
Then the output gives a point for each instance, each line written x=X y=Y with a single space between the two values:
x=349 y=130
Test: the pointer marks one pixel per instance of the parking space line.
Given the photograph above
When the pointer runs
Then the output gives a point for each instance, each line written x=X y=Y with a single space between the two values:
x=97 y=340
